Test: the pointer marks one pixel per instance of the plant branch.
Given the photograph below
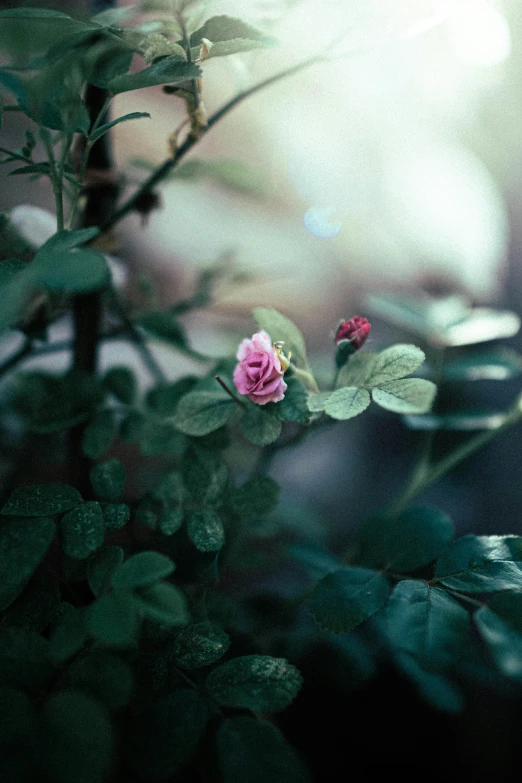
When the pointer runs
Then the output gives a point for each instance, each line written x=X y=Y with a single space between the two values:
x=166 y=167
x=56 y=178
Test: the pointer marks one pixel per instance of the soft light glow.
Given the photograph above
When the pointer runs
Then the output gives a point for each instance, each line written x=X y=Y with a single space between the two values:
x=479 y=34
x=318 y=221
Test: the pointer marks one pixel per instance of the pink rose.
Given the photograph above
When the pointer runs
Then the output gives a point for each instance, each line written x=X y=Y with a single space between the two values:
x=259 y=375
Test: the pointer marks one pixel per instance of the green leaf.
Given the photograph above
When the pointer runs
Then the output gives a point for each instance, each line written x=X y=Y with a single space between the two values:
x=258 y=496
x=358 y=369
x=101 y=568
x=229 y=35
x=171 y=70
x=99 y=433
x=436 y=689
x=205 y=476
x=251 y=750
x=83 y=530
x=116 y=515
x=316 y=402
x=279 y=327
x=142 y=570
x=171 y=491
x=103 y=676
x=113 y=619
x=294 y=405
x=411 y=540
x=63 y=241
x=36 y=608
x=449 y=321
x=199 y=413
x=201 y=644
x=259 y=427
x=346 y=403
x=494 y=365
x=76 y=740
x=482 y=564
x=344 y=598
x=163 y=399
x=171 y=521
x=69 y=635
x=32 y=168
x=163 y=603
x=255 y=682
x=33 y=13
x=103 y=129
x=395 y=363
x=51 y=403
x=206 y=530
x=108 y=479
x=1 y=111
x=165 y=737
x=23 y=546
x=504 y=643
x=163 y=325
x=413 y=395
x=427 y=623
x=76 y=271
x=122 y=383
x=17 y=716
x=41 y=500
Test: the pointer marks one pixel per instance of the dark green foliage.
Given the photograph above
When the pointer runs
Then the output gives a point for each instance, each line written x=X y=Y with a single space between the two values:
x=83 y=530
x=260 y=428
x=101 y=568
x=116 y=515
x=113 y=619
x=294 y=406
x=171 y=521
x=103 y=676
x=108 y=479
x=170 y=70
x=427 y=623
x=99 y=433
x=41 y=500
x=163 y=326
x=142 y=570
x=482 y=564
x=255 y=682
x=121 y=382
x=17 y=715
x=164 y=399
x=23 y=545
x=205 y=476
x=406 y=542
x=36 y=608
x=76 y=739
x=51 y=403
x=69 y=634
x=206 y=530
x=25 y=658
x=201 y=412
x=500 y=626
x=251 y=750
x=200 y=644
x=436 y=689
x=344 y=598
x=258 y=496
x=163 y=603
x=165 y=737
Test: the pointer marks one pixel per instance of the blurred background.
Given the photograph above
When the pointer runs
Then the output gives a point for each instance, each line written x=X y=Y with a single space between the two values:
x=394 y=166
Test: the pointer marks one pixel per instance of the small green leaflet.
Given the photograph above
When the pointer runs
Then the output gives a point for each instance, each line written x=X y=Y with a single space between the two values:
x=500 y=625
x=163 y=603
x=142 y=570
x=255 y=682
x=344 y=598
x=394 y=363
x=346 y=403
x=102 y=130
x=41 y=500
x=200 y=645
x=83 y=530
x=108 y=479
x=411 y=395
x=206 y=530
x=427 y=623
x=259 y=427
x=23 y=545
x=101 y=568
x=199 y=413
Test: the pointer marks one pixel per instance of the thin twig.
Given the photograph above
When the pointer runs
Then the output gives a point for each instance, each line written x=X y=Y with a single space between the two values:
x=229 y=391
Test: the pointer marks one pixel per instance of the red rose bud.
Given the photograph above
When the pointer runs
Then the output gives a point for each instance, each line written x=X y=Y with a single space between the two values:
x=350 y=336
x=356 y=330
